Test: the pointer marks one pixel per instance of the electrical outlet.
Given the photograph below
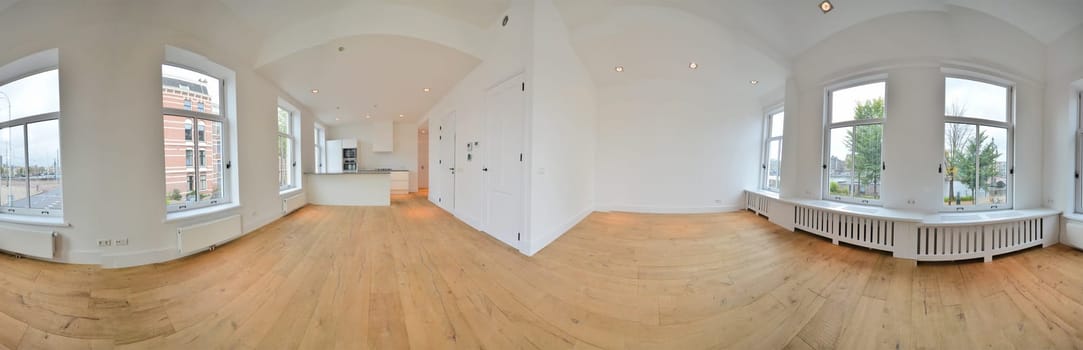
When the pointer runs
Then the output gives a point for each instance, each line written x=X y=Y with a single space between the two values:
x=121 y=242
x=104 y=243
x=911 y=202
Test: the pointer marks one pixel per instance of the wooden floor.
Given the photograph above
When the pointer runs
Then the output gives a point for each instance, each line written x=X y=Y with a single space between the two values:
x=411 y=276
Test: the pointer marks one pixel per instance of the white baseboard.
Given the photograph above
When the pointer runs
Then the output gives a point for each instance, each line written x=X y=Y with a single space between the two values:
x=543 y=240
x=669 y=210
x=139 y=258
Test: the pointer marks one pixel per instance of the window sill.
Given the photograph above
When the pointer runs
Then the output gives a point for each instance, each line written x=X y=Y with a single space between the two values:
x=49 y=221
x=198 y=213
x=290 y=192
x=1074 y=216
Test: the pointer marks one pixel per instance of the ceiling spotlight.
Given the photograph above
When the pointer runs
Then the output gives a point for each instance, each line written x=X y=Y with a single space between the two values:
x=423 y=131
x=619 y=69
x=693 y=65
x=753 y=81
x=337 y=118
x=341 y=48
x=826 y=6
x=368 y=116
x=315 y=91
x=426 y=90
x=401 y=115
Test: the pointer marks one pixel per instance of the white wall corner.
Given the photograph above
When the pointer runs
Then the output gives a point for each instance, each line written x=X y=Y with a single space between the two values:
x=539 y=242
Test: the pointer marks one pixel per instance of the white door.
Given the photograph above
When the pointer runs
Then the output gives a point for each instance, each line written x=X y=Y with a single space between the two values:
x=505 y=119
x=334 y=156
x=446 y=163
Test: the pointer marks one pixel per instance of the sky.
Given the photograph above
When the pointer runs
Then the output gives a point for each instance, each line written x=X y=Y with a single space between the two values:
x=977 y=99
x=30 y=96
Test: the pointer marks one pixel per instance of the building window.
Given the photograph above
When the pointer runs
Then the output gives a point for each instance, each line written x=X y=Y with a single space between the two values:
x=30 y=169
x=178 y=122
x=854 y=139
x=320 y=140
x=287 y=162
x=977 y=144
x=772 y=148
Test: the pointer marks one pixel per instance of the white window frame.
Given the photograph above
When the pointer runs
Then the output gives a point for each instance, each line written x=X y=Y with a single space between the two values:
x=825 y=182
x=226 y=185
x=766 y=156
x=1008 y=124
x=25 y=123
x=1079 y=153
x=293 y=134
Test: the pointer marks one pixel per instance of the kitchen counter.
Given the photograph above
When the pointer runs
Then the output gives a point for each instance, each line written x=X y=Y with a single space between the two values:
x=361 y=188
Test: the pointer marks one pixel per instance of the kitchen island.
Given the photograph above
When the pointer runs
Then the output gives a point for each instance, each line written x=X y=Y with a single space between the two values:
x=361 y=188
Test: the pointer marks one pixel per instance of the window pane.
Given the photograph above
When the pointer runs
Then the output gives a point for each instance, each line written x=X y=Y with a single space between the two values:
x=190 y=90
x=958 y=163
x=13 y=174
x=975 y=99
x=30 y=96
x=284 y=161
x=992 y=158
x=283 y=121
x=776 y=124
x=44 y=141
x=774 y=160
x=858 y=102
x=178 y=157
x=214 y=163
x=866 y=142
x=838 y=166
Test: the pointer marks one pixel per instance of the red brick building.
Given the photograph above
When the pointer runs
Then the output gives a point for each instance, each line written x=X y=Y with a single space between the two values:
x=193 y=147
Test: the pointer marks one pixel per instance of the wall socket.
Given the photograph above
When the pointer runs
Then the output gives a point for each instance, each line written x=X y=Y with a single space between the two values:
x=120 y=242
x=105 y=243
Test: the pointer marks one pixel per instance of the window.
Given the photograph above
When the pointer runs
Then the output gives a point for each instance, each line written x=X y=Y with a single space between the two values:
x=320 y=142
x=1079 y=157
x=854 y=138
x=772 y=148
x=30 y=169
x=286 y=144
x=179 y=87
x=977 y=145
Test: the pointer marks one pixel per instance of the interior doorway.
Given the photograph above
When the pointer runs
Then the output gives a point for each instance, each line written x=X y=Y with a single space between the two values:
x=505 y=123
x=446 y=163
x=423 y=158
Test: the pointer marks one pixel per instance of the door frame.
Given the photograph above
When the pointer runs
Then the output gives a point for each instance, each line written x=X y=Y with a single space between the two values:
x=518 y=78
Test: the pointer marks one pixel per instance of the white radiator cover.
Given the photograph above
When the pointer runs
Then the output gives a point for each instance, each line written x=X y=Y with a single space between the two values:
x=198 y=237
x=1073 y=234
x=39 y=244
x=293 y=203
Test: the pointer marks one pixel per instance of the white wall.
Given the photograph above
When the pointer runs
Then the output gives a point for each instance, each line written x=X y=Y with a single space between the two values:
x=404 y=156
x=563 y=131
x=1064 y=81
x=111 y=129
x=911 y=48
x=672 y=139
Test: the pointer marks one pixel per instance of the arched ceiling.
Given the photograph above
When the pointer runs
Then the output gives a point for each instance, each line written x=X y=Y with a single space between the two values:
x=270 y=16
x=381 y=76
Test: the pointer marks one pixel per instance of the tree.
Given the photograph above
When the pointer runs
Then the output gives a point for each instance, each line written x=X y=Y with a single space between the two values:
x=864 y=142
x=978 y=161
x=955 y=138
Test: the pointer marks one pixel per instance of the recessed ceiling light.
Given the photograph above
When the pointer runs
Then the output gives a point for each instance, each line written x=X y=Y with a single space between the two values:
x=426 y=90
x=423 y=131
x=693 y=65
x=401 y=115
x=753 y=81
x=619 y=69
x=337 y=118
x=826 y=6
x=368 y=116
x=315 y=91
x=341 y=48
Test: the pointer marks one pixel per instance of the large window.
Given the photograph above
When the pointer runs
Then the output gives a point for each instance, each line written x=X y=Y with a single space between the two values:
x=30 y=145
x=854 y=139
x=320 y=140
x=287 y=161
x=977 y=145
x=195 y=139
x=772 y=152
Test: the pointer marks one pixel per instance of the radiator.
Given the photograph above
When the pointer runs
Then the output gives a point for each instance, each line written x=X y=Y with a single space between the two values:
x=1073 y=236
x=40 y=244
x=981 y=241
x=293 y=203
x=756 y=202
x=199 y=237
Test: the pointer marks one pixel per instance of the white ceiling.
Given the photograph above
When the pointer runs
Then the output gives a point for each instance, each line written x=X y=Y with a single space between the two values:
x=785 y=28
x=377 y=75
x=269 y=15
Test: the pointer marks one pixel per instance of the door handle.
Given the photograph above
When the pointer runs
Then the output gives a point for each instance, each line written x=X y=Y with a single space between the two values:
x=484 y=169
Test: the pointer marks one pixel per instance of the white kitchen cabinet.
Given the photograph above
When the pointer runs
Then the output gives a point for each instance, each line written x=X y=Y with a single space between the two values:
x=383 y=136
x=334 y=156
x=349 y=143
x=400 y=182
